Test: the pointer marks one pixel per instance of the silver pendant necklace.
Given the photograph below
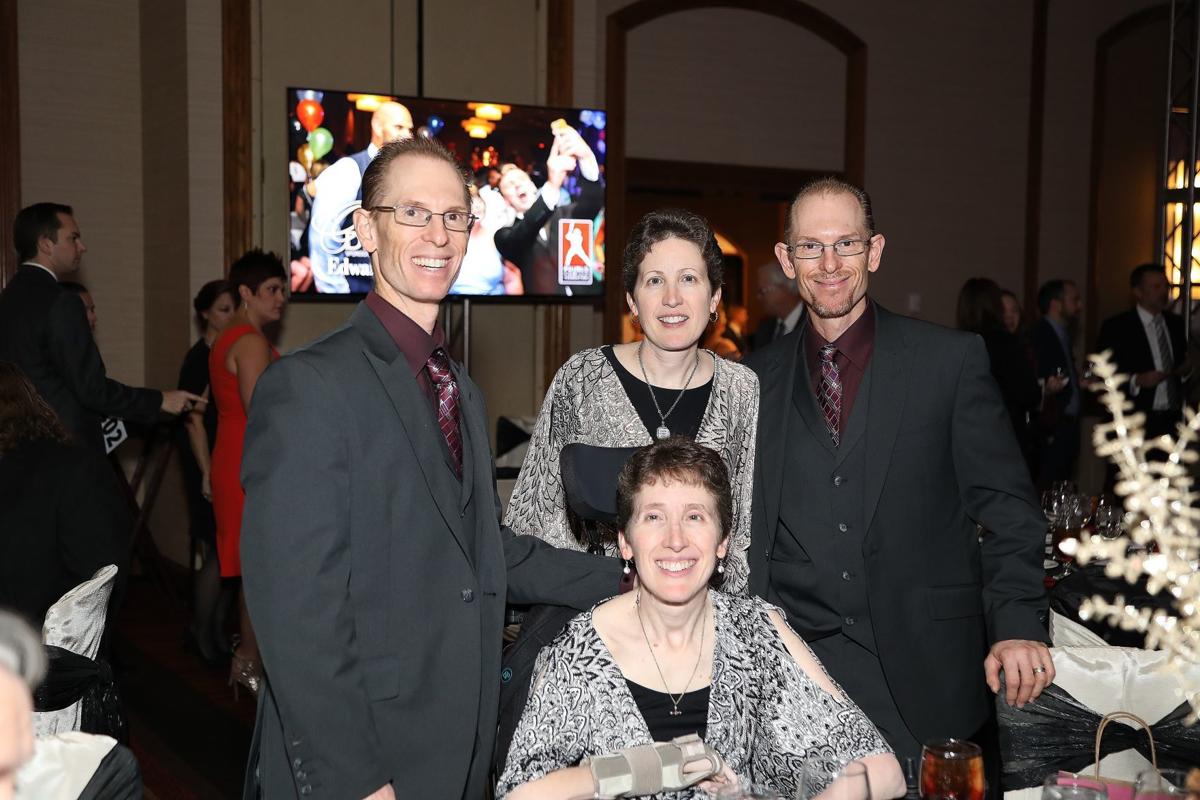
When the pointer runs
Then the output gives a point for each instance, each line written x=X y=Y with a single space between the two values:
x=675 y=701
x=663 y=431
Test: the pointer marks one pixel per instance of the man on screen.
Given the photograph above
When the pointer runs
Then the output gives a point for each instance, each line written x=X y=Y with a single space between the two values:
x=532 y=240
x=336 y=269
x=374 y=564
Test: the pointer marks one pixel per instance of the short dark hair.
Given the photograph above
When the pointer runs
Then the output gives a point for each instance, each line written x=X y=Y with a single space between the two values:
x=1141 y=271
x=831 y=184
x=208 y=295
x=74 y=287
x=681 y=459
x=1053 y=289
x=372 y=180
x=981 y=307
x=35 y=221
x=672 y=223
x=254 y=269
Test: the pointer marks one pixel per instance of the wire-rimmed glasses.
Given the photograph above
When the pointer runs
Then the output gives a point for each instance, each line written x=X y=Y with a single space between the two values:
x=843 y=248
x=417 y=217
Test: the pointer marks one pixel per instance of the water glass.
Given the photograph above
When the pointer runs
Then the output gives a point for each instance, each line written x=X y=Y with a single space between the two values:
x=952 y=769
x=1162 y=784
x=1108 y=518
x=1066 y=786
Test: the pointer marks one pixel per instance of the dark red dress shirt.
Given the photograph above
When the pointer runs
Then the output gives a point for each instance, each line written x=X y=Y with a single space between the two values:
x=854 y=349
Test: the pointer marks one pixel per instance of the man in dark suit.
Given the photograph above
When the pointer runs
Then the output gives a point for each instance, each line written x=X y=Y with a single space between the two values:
x=883 y=444
x=374 y=564
x=44 y=330
x=780 y=300
x=1054 y=354
x=1149 y=345
x=531 y=241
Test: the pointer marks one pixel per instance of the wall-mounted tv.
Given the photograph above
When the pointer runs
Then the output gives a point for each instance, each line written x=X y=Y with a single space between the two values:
x=537 y=186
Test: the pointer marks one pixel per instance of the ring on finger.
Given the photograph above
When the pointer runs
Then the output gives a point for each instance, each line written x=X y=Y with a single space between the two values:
x=1039 y=670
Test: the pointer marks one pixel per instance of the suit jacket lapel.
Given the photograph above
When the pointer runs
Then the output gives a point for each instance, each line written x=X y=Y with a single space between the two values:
x=412 y=409
x=891 y=371
x=476 y=453
x=776 y=384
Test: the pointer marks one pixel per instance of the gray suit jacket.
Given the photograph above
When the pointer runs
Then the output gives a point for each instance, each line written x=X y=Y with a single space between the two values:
x=378 y=611
x=941 y=457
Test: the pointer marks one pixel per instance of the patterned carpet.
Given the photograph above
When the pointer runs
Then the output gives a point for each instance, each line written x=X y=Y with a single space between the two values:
x=189 y=735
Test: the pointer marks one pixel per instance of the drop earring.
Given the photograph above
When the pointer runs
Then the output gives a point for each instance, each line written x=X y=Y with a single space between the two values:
x=626 y=570
x=721 y=566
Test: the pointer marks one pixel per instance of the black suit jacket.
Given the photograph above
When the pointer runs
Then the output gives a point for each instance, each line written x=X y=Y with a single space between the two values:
x=941 y=457
x=1126 y=337
x=521 y=242
x=1049 y=357
x=44 y=331
x=62 y=517
x=378 y=612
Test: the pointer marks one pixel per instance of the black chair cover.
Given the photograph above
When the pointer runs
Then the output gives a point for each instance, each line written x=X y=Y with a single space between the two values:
x=72 y=678
x=1057 y=732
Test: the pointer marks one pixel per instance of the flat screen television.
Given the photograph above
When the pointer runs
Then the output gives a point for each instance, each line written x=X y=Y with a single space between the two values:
x=537 y=177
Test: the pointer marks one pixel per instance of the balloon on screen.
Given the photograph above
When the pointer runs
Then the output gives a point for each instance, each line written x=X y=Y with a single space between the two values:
x=310 y=114
x=310 y=94
x=304 y=154
x=321 y=142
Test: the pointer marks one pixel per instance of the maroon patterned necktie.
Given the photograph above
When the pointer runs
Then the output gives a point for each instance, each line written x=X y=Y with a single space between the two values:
x=447 y=400
x=829 y=393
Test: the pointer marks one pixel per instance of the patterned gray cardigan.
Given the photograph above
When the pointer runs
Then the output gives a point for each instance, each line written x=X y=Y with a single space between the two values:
x=765 y=715
x=587 y=404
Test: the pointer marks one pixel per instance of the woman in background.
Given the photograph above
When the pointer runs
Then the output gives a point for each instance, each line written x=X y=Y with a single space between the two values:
x=981 y=310
x=214 y=307
x=238 y=357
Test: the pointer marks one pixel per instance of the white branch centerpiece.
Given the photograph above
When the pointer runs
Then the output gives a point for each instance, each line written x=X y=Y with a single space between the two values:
x=1161 y=521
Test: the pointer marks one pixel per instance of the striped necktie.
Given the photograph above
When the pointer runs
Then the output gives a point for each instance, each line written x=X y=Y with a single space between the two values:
x=829 y=394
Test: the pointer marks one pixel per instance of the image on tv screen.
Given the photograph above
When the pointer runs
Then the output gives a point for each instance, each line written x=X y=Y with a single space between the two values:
x=536 y=180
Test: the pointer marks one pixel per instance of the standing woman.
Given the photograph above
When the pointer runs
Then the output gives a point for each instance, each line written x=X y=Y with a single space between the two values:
x=214 y=306
x=238 y=357
x=629 y=395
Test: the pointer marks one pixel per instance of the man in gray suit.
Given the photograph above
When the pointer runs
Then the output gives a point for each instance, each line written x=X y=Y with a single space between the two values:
x=375 y=567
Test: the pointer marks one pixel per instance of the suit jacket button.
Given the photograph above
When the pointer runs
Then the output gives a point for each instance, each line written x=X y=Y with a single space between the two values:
x=301 y=774
x=843 y=527
x=467 y=595
x=845 y=575
x=296 y=763
x=306 y=789
x=837 y=480
x=850 y=620
x=296 y=742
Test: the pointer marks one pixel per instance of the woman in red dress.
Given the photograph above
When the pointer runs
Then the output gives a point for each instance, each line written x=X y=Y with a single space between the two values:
x=237 y=359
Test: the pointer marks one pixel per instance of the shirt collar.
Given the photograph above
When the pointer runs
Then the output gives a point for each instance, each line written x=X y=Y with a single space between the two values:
x=1146 y=317
x=413 y=342
x=855 y=344
x=39 y=266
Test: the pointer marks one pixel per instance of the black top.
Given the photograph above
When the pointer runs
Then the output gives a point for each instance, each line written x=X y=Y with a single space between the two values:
x=683 y=421
x=62 y=517
x=656 y=708
x=193 y=376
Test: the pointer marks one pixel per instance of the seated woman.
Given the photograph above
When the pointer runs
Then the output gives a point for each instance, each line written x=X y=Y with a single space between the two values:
x=628 y=395
x=62 y=513
x=675 y=658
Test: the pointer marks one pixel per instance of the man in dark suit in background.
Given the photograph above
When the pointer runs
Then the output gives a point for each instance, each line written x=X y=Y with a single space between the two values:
x=374 y=564
x=1054 y=353
x=1149 y=345
x=44 y=330
x=779 y=298
x=531 y=241
x=883 y=443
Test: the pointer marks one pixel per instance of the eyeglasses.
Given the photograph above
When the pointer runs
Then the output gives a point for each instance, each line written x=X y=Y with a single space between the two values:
x=842 y=247
x=417 y=217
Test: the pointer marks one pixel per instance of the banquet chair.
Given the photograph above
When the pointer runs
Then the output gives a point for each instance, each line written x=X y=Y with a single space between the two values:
x=74 y=624
x=1058 y=730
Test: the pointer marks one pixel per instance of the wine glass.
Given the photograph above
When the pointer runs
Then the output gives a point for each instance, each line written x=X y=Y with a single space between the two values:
x=1161 y=784
x=952 y=769
x=833 y=779
x=1108 y=518
x=1068 y=786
